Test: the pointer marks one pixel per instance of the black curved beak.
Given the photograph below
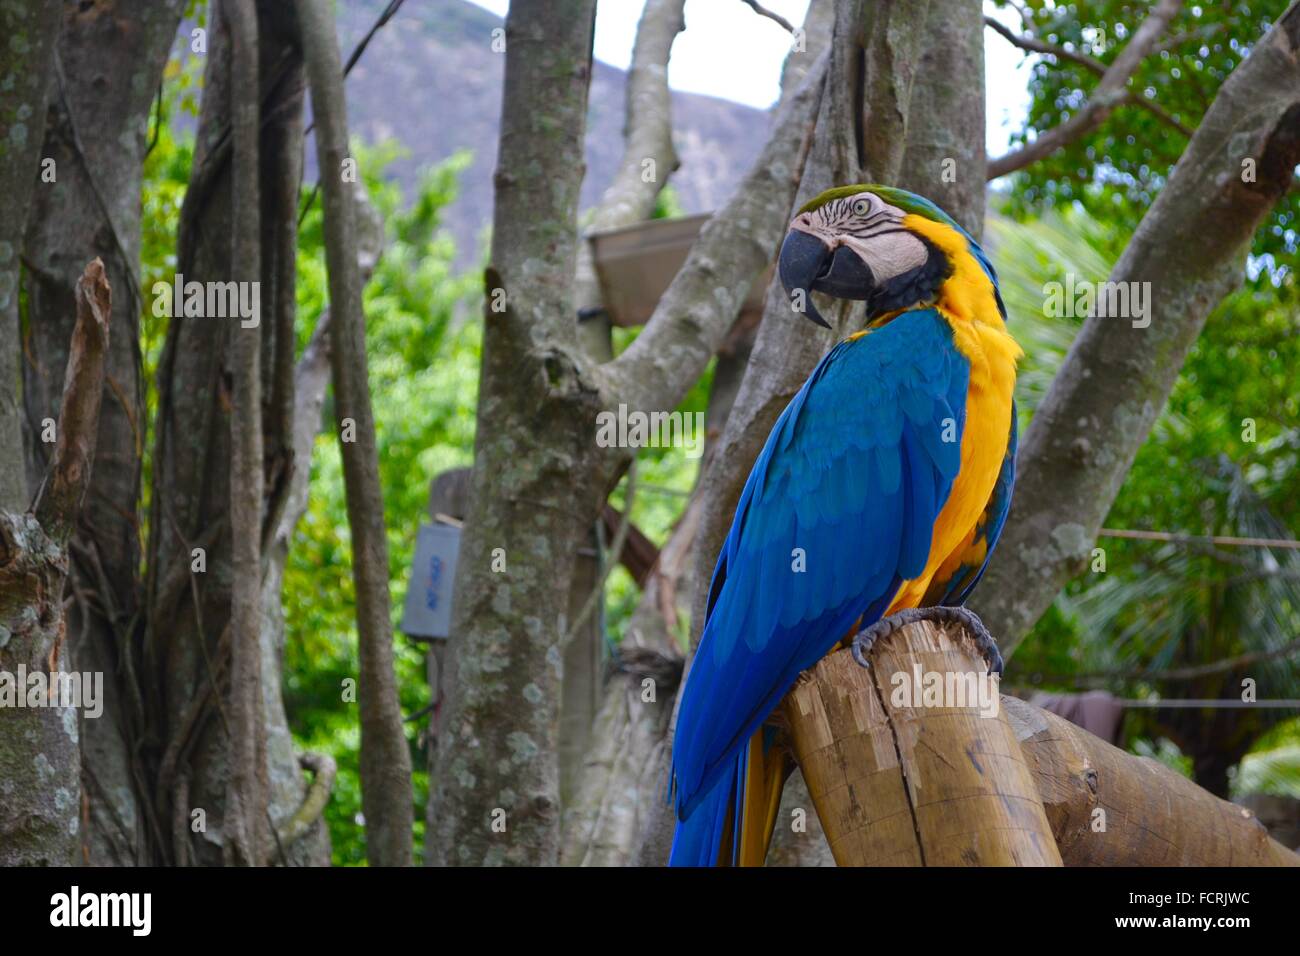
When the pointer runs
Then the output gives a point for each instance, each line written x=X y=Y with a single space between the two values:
x=806 y=264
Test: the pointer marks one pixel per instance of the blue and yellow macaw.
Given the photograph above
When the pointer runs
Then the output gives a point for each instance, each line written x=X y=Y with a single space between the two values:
x=878 y=498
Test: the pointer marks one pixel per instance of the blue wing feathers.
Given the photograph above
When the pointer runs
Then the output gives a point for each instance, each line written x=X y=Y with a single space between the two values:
x=854 y=473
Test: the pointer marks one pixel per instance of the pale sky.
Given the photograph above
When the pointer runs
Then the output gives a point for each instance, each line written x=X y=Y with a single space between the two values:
x=729 y=51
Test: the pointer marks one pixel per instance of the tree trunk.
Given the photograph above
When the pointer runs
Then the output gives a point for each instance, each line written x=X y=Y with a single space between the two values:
x=247 y=837
x=648 y=160
x=496 y=792
x=944 y=157
x=603 y=822
x=184 y=649
x=386 y=796
x=26 y=69
x=40 y=763
x=304 y=836
x=1120 y=370
x=109 y=64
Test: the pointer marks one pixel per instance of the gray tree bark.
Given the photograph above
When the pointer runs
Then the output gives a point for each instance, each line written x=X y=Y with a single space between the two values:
x=1118 y=375
x=108 y=66
x=944 y=156
x=648 y=160
x=496 y=792
x=182 y=650
x=40 y=767
x=386 y=796
x=539 y=396
x=246 y=790
x=26 y=69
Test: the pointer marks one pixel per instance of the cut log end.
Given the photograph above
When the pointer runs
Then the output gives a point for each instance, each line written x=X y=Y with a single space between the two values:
x=912 y=762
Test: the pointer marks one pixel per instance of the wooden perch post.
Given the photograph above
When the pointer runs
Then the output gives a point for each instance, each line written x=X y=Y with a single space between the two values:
x=1111 y=808
x=918 y=761
x=915 y=785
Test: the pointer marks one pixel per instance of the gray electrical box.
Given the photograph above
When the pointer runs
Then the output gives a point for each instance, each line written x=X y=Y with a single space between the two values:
x=427 y=613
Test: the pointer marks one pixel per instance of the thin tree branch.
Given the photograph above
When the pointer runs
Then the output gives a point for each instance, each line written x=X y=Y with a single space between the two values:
x=388 y=13
x=68 y=476
x=385 y=758
x=762 y=11
x=1032 y=45
x=1093 y=65
x=1111 y=91
x=1178 y=538
x=247 y=793
x=323 y=769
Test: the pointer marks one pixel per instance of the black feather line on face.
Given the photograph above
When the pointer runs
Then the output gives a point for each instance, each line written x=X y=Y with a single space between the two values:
x=917 y=285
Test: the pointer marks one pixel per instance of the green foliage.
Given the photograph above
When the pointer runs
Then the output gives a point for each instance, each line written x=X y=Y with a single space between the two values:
x=423 y=360
x=668 y=205
x=1275 y=772
x=1274 y=765
x=1165 y=751
x=1028 y=255
x=1117 y=171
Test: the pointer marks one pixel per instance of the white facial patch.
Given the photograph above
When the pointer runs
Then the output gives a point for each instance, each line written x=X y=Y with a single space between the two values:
x=890 y=254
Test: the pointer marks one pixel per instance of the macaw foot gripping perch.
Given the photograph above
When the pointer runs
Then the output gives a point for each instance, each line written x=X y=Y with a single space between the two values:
x=939 y=614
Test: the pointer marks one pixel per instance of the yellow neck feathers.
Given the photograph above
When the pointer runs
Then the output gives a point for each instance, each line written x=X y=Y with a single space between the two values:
x=966 y=301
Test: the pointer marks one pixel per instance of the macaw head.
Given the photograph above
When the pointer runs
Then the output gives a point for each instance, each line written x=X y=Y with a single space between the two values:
x=885 y=246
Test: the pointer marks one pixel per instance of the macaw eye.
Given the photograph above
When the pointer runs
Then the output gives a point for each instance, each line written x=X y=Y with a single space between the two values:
x=860 y=207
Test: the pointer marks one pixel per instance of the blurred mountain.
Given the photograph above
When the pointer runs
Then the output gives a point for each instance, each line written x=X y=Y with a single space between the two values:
x=431 y=80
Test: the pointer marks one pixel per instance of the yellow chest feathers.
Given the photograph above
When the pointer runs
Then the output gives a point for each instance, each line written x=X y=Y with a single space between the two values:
x=966 y=301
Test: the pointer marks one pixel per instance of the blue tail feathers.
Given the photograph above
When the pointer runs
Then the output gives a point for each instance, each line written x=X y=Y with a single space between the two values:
x=701 y=838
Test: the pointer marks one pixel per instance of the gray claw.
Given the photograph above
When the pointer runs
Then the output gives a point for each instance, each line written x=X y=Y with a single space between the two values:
x=940 y=614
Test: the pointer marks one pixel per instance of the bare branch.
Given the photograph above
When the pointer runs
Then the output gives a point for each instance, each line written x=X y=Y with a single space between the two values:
x=247 y=792
x=762 y=11
x=1110 y=93
x=1222 y=666
x=381 y=21
x=323 y=769
x=700 y=306
x=385 y=757
x=1032 y=45
x=1093 y=65
x=647 y=148
x=83 y=386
